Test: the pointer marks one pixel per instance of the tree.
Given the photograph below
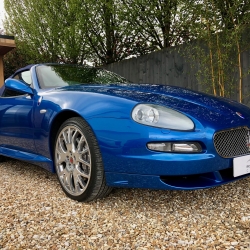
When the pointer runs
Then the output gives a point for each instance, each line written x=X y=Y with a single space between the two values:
x=220 y=28
x=73 y=30
x=104 y=31
x=15 y=59
x=162 y=23
x=109 y=34
x=51 y=30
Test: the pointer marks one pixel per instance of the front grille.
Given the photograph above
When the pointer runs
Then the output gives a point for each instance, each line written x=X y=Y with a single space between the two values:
x=233 y=142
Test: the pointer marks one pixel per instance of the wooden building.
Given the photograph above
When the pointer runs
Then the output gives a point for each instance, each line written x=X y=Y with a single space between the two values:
x=7 y=43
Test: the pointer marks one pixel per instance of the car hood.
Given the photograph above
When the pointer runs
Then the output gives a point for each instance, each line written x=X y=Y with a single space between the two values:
x=207 y=109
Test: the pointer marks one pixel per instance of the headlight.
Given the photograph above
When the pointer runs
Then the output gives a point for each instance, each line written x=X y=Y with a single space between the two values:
x=161 y=117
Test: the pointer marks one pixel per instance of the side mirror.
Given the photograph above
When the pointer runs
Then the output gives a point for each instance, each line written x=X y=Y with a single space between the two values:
x=19 y=86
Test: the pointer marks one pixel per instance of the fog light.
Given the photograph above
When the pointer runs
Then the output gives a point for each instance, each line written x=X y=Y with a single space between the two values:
x=186 y=147
x=183 y=147
x=164 y=147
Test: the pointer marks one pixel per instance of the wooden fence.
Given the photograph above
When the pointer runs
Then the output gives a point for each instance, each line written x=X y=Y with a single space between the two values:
x=171 y=68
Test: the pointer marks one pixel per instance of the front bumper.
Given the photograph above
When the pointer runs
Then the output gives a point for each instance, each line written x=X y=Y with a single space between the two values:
x=190 y=182
x=165 y=164
x=129 y=163
x=169 y=171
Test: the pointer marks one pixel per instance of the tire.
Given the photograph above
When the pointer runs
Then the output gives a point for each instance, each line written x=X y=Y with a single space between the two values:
x=78 y=162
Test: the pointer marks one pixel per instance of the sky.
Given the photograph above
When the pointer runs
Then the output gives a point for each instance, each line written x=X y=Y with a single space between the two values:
x=1 y=13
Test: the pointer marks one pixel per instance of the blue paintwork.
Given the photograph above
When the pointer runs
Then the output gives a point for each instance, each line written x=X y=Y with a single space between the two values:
x=14 y=84
x=25 y=133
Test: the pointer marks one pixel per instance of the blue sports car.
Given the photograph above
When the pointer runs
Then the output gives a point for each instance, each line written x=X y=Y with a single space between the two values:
x=96 y=130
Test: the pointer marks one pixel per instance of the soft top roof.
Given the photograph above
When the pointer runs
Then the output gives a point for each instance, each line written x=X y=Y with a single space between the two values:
x=26 y=68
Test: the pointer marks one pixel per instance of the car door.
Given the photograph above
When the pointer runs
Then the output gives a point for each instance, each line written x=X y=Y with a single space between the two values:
x=16 y=118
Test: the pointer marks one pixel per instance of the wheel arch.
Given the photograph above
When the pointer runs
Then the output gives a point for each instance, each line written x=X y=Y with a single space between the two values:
x=96 y=186
x=56 y=123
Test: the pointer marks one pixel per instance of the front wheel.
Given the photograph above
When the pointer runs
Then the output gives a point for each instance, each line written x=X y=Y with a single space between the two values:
x=78 y=161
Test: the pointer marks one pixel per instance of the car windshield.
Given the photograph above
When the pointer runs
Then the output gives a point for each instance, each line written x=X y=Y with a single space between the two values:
x=51 y=76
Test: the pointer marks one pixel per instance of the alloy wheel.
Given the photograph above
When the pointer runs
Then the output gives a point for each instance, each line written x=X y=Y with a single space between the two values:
x=73 y=160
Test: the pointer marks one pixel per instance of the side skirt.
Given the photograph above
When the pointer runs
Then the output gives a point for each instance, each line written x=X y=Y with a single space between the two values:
x=28 y=157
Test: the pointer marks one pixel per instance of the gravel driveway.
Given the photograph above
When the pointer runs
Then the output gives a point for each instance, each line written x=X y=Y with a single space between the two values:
x=35 y=214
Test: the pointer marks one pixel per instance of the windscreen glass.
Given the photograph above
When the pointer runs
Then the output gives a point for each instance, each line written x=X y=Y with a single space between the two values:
x=51 y=76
